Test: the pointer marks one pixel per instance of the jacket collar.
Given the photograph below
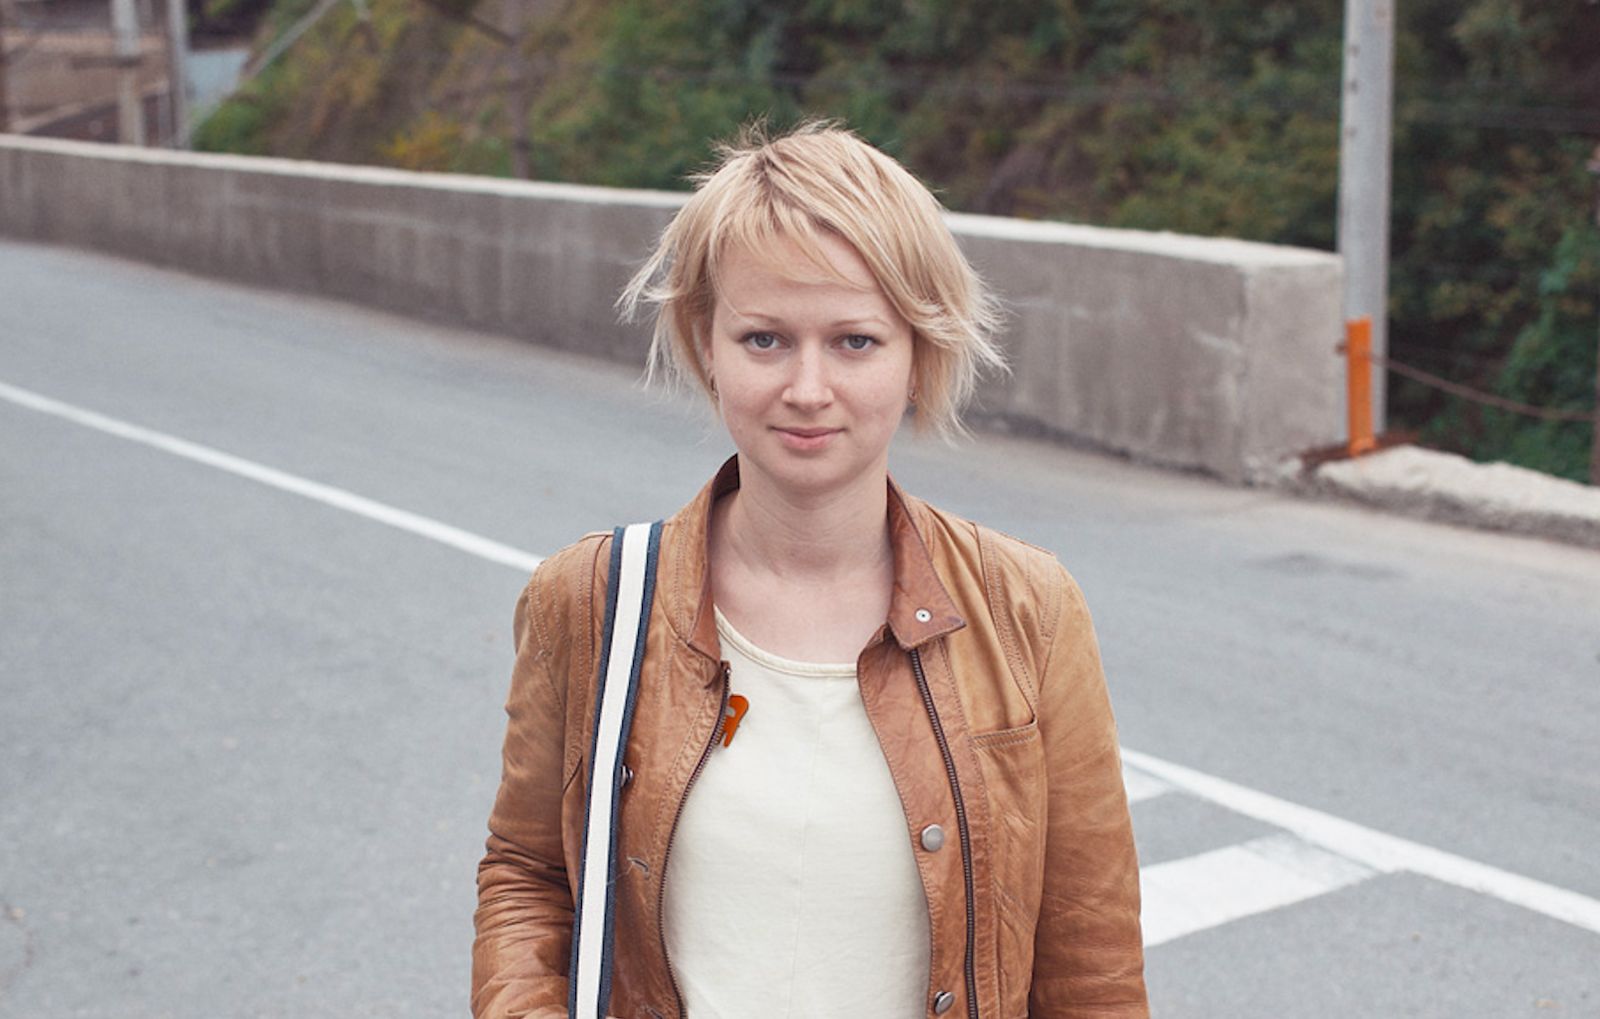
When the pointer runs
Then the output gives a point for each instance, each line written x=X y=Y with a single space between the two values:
x=920 y=608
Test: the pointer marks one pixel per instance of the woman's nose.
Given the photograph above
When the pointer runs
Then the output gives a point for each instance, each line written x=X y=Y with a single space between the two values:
x=808 y=385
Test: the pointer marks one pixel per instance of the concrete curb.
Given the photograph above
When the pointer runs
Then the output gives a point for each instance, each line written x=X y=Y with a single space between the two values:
x=1446 y=487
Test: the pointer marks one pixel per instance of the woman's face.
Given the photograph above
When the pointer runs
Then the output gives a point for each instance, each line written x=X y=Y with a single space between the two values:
x=812 y=375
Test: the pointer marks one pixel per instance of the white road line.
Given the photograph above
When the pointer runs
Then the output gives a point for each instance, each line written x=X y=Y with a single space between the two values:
x=1200 y=892
x=338 y=498
x=1142 y=786
x=1373 y=849
x=1381 y=852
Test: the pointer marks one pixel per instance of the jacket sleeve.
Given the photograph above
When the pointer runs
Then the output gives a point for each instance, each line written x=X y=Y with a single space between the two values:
x=520 y=956
x=1088 y=952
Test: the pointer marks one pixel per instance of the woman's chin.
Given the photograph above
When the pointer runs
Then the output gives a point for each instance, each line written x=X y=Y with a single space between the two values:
x=807 y=472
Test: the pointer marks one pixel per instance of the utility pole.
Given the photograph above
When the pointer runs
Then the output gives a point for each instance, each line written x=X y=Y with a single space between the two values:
x=130 y=108
x=178 y=71
x=1594 y=445
x=1366 y=119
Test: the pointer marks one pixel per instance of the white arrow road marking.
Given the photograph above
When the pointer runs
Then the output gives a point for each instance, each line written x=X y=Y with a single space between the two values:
x=1375 y=849
x=1182 y=893
x=1205 y=891
x=1142 y=785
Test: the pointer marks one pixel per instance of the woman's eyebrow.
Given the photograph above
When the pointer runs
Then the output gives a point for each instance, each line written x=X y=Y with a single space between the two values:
x=872 y=321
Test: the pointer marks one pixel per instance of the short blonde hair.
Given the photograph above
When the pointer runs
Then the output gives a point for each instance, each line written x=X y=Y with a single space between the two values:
x=816 y=178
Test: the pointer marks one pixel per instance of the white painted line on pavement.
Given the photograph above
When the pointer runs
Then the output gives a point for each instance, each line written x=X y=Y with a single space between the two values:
x=1381 y=852
x=1142 y=786
x=1200 y=892
x=338 y=498
x=1373 y=849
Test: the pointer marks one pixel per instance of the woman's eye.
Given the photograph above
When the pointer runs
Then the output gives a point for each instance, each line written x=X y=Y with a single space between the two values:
x=761 y=341
x=859 y=342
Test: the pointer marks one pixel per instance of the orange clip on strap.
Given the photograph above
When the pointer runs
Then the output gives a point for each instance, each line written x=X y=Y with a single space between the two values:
x=737 y=706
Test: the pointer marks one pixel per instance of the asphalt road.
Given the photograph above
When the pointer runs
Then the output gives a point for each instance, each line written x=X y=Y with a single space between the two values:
x=248 y=738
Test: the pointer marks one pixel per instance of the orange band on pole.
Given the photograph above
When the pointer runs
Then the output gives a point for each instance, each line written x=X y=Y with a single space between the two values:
x=1358 y=352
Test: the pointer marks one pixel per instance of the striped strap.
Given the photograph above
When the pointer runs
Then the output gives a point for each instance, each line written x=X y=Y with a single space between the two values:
x=633 y=576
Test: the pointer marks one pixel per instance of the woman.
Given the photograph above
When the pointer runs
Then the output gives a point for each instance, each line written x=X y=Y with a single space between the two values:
x=915 y=804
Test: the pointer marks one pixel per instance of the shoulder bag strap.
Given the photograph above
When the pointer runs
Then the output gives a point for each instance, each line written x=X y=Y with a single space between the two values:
x=633 y=573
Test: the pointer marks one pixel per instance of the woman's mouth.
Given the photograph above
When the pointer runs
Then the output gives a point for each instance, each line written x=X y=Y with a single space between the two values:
x=807 y=440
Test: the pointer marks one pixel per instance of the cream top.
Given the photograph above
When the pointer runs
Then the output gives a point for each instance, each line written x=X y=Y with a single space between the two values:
x=792 y=888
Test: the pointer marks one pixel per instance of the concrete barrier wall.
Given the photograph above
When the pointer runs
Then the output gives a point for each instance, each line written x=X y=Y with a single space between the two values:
x=1192 y=352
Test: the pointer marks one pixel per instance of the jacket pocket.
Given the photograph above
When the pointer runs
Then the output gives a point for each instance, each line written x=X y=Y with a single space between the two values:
x=1013 y=772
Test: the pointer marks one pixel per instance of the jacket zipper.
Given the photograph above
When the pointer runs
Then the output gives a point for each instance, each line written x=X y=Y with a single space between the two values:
x=724 y=672
x=961 y=828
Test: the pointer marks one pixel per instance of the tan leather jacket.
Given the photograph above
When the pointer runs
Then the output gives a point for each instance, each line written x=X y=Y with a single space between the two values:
x=985 y=690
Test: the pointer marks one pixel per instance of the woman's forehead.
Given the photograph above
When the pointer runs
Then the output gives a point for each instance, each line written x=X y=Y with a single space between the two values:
x=816 y=258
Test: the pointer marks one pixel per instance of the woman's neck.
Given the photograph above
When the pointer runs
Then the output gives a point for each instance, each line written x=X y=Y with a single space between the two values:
x=830 y=534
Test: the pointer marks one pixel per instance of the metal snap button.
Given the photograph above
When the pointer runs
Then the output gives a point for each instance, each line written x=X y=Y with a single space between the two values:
x=942 y=1002
x=627 y=776
x=923 y=615
x=933 y=838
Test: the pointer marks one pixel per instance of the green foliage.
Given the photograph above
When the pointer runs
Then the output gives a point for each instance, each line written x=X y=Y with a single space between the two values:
x=435 y=142
x=236 y=126
x=658 y=92
x=224 y=16
x=1203 y=116
x=1485 y=203
x=1552 y=364
x=347 y=91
